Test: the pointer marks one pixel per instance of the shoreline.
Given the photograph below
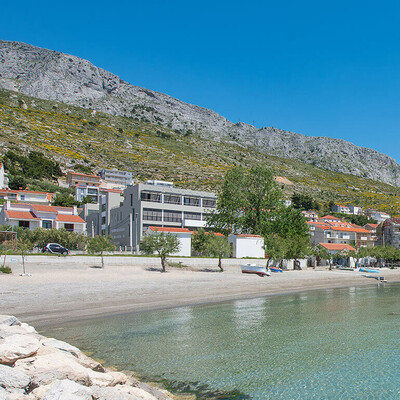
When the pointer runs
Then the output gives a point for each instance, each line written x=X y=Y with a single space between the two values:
x=64 y=292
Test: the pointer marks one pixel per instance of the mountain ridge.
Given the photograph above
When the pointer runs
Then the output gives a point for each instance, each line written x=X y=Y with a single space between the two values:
x=53 y=75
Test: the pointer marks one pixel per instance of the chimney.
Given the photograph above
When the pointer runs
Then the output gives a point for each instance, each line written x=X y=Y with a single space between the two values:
x=75 y=210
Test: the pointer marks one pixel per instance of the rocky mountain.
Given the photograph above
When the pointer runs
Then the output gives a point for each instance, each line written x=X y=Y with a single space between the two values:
x=56 y=76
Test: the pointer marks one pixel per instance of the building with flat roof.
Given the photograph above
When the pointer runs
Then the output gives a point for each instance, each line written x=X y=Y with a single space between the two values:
x=27 y=196
x=78 y=178
x=115 y=176
x=158 y=204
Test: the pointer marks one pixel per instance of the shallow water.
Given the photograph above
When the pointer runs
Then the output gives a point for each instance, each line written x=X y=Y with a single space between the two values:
x=328 y=344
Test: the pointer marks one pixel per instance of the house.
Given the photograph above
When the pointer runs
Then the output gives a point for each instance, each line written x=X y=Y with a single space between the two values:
x=33 y=216
x=27 y=196
x=335 y=248
x=355 y=210
x=372 y=228
x=329 y=229
x=3 y=177
x=389 y=234
x=116 y=177
x=161 y=204
x=76 y=178
x=247 y=246
x=379 y=216
x=340 y=209
x=184 y=235
x=311 y=216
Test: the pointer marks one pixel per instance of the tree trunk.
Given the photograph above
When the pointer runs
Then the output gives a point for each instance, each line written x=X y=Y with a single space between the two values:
x=4 y=261
x=23 y=263
x=220 y=265
x=102 y=260
x=330 y=265
x=163 y=263
x=268 y=260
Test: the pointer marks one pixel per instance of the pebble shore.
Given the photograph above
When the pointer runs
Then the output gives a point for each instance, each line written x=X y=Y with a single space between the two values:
x=34 y=367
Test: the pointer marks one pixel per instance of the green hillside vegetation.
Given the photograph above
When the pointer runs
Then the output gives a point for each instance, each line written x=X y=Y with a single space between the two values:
x=82 y=140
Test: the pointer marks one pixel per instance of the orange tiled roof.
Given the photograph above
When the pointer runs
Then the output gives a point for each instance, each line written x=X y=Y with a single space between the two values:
x=329 y=217
x=337 y=246
x=20 y=215
x=168 y=229
x=69 y=218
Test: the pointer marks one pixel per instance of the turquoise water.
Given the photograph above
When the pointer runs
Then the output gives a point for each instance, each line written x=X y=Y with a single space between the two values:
x=331 y=344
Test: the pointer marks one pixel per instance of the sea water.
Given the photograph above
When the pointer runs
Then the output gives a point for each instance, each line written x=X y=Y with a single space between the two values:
x=326 y=344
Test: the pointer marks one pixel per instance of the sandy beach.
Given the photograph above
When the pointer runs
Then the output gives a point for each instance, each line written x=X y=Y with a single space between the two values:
x=60 y=292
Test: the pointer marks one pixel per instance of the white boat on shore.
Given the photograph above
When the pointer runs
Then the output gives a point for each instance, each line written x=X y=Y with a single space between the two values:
x=255 y=269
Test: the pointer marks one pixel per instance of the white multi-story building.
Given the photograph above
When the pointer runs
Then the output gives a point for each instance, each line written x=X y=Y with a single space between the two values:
x=159 y=204
x=83 y=191
x=114 y=176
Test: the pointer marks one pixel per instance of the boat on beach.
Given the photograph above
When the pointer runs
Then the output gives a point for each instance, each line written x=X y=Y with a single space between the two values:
x=275 y=269
x=255 y=269
x=369 y=270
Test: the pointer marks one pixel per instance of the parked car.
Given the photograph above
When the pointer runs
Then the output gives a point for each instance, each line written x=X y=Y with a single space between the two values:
x=55 y=248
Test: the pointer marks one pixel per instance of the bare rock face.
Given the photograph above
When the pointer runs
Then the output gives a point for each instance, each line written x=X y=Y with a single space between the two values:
x=56 y=76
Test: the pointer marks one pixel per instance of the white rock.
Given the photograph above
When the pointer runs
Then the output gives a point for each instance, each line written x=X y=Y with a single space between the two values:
x=10 y=378
x=9 y=330
x=121 y=393
x=56 y=364
x=15 y=347
x=68 y=390
x=9 y=320
x=63 y=346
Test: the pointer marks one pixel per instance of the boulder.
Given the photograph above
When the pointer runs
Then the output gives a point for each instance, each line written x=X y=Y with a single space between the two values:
x=68 y=390
x=63 y=346
x=11 y=378
x=15 y=347
x=121 y=393
x=54 y=364
x=9 y=320
x=9 y=330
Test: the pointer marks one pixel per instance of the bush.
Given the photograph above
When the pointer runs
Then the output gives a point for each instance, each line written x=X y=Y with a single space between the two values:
x=5 y=270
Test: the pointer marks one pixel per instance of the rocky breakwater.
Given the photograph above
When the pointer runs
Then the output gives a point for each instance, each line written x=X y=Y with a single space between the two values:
x=36 y=367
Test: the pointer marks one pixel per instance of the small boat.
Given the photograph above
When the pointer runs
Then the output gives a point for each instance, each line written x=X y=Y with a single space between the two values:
x=254 y=269
x=378 y=278
x=275 y=269
x=346 y=269
x=369 y=270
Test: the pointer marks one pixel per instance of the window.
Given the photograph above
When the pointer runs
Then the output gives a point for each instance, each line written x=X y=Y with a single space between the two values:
x=172 y=199
x=13 y=196
x=209 y=203
x=172 y=216
x=103 y=207
x=22 y=197
x=69 y=227
x=23 y=224
x=191 y=201
x=191 y=215
x=150 y=214
x=150 y=196
x=103 y=220
x=46 y=224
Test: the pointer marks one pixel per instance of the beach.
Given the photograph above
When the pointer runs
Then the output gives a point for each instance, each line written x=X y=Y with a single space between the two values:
x=60 y=290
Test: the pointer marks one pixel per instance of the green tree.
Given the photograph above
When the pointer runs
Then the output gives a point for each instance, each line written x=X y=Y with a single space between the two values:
x=17 y=182
x=64 y=200
x=247 y=201
x=290 y=225
x=162 y=243
x=304 y=202
x=275 y=247
x=218 y=246
x=100 y=244
x=321 y=253
x=200 y=241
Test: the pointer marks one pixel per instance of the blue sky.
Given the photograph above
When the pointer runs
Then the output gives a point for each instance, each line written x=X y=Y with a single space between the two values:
x=317 y=68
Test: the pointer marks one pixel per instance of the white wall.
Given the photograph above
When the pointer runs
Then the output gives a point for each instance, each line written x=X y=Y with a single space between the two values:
x=185 y=249
x=247 y=246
